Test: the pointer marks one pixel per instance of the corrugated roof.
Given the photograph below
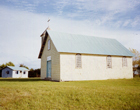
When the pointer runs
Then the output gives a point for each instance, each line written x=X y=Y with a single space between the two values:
x=72 y=43
x=17 y=68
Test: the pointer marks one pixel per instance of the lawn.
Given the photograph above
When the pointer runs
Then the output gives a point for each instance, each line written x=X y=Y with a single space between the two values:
x=35 y=94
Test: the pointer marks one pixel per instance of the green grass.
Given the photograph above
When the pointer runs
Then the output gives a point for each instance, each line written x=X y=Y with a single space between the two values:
x=35 y=94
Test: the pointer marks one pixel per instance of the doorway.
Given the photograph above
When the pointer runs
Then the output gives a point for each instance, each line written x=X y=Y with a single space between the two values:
x=20 y=74
x=49 y=69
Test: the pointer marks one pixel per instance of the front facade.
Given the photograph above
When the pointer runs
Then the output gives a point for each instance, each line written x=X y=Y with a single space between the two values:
x=68 y=62
x=14 y=72
x=50 y=62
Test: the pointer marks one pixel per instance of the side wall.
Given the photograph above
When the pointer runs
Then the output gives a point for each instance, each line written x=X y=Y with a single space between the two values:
x=20 y=74
x=4 y=74
x=55 y=61
x=93 y=68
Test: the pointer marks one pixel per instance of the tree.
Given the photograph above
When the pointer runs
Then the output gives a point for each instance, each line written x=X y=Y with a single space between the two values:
x=2 y=66
x=139 y=63
x=31 y=69
x=10 y=64
x=34 y=72
x=22 y=65
x=7 y=64
x=136 y=58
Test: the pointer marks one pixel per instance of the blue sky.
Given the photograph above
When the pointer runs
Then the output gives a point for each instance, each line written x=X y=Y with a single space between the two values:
x=22 y=22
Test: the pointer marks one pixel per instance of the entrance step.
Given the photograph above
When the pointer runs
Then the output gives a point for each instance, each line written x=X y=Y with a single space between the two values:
x=48 y=79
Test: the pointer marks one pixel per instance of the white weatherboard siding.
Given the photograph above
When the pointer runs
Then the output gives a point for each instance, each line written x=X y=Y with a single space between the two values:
x=93 y=68
x=25 y=75
x=55 y=61
x=20 y=74
x=15 y=75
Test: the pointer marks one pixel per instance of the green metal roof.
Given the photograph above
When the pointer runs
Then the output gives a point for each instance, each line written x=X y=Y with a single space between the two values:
x=72 y=43
x=17 y=68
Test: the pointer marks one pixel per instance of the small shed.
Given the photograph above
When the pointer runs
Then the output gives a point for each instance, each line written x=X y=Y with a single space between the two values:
x=14 y=72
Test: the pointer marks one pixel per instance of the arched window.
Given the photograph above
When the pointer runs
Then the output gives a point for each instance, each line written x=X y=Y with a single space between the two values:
x=109 y=61
x=49 y=44
x=124 y=61
x=78 y=60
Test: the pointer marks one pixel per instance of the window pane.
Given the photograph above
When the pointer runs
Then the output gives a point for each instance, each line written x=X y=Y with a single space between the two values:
x=124 y=61
x=78 y=60
x=48 y=44
x=109 y=62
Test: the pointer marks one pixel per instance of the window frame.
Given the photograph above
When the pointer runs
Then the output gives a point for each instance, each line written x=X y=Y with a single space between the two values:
x=7 y=72
x=77 y=61
x=24 y=72
x=17 y=72
x=49 y=44
x=107 y=61
x=124 y=61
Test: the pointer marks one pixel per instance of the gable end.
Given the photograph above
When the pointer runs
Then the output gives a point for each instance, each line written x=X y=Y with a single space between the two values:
x=7 y=67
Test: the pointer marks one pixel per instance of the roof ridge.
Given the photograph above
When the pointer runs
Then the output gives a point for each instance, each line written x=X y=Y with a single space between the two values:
x=16 y=67
x=80 y=34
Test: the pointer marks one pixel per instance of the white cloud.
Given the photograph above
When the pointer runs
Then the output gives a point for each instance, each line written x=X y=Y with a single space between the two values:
x=104 y=12
x=20 y=31
x=136 y=21
x=112 y=13
x=111 y=5
x=127 y=22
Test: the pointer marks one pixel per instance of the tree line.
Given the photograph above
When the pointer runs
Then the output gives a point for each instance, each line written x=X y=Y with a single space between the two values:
x=136 y=58
x=32 y=72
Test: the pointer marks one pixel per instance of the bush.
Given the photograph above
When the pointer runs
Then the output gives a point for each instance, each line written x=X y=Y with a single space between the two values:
x=0 y=73
x=34 y=73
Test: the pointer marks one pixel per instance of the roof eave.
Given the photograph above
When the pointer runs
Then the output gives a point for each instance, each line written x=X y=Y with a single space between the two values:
x=43 y=45
x=95 y=54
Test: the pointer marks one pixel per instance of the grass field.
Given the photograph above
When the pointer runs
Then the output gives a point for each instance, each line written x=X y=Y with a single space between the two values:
x=35 y=94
